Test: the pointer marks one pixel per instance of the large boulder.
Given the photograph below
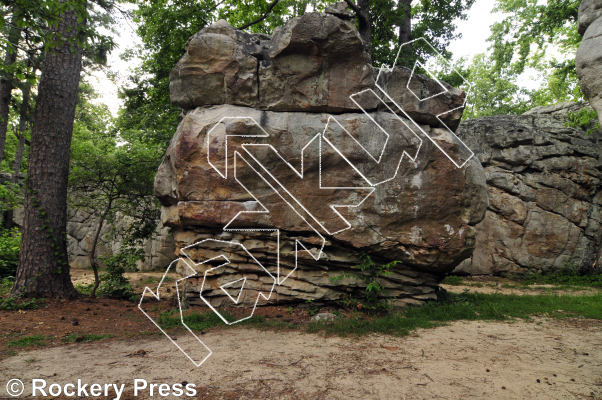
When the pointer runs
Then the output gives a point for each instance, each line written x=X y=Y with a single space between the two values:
x=588 y=61
x=545 y=201
x=393 y=182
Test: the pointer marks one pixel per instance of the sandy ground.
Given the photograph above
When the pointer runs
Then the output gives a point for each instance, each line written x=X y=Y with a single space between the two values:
x=479 y=360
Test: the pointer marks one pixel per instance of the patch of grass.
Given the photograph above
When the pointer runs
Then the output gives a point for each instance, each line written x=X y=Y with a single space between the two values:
x=475 y=284
x=467 y=306
x=509 y=286
x=11 y=353
x=453 y=280
x=31 y=360
x=84 y=289
x=149 y=279
x=33 y=340
x=560 y=278
x=86 y=337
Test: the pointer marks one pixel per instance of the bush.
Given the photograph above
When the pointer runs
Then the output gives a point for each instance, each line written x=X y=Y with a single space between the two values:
x=113 y=283
x=10 y=243
x=370 y=272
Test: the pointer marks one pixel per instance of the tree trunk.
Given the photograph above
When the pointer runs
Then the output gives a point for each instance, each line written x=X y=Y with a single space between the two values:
x=26 y=90
x=93 y=251
x=362 y=12
x=44 y=263
x=7 y=85
x=365 y=26
x=406 y=55
x=405 y=23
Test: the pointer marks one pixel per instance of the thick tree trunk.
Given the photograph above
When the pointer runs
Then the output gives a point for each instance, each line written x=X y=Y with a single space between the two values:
x=7 y=85
x=44 y=264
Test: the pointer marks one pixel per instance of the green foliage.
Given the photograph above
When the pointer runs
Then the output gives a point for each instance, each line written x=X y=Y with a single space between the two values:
x=86 y=337
x=12 y=303
x=25 y=341
x=585 y=119
x=524 y=39
x=84 y=289
x=311 y=311
x=10 y=244
x=113 y=283
x=370 y=273
x=453 y=280
x=6 y=285
x=11 y=195
x=567 y=276
x=432 y=20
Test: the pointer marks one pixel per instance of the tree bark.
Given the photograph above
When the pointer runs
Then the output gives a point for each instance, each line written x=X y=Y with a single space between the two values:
x=7 y=85
x=406 y=53
x=44 y=264
x=93 y=251
x=405 y=23
x=23 y=114
x=362 y=12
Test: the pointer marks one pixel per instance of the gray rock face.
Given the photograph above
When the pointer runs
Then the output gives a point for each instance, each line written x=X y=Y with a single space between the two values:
x=588 y=61
x=241 y=166
x=589 y=11
x=81 y=229
x=544 y=194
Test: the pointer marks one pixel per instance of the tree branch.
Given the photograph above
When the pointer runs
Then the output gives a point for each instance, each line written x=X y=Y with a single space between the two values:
x=353 y=6
x=265 y=14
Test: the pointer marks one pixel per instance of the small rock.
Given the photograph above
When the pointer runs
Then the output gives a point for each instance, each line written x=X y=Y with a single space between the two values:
x=94 y=313
x=287 y=320
x=62 y=318
x=504 y=387
x=105 y=304
x=324 y=317
x=184 y=383
x=75 y=322
x=538 y=381
x=278 y=316
x=88 y=309
x=572 y=379
x=487 y=370
x=79 y=339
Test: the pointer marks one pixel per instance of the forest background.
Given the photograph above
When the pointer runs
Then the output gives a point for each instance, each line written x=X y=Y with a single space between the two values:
x=101 y=158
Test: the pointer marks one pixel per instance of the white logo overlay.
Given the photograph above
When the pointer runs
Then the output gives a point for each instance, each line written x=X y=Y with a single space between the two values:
x=384 y=166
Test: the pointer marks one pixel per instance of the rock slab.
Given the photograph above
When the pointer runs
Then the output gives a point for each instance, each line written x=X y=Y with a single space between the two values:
x=588 y=61
x=544 y=193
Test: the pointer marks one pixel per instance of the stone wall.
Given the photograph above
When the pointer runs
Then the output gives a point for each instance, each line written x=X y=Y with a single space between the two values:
x=258 y=160
x=81 y=228
x=544 y=187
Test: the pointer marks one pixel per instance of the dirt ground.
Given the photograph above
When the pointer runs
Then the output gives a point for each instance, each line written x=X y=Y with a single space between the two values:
x=463 y=360
x=541 y=359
